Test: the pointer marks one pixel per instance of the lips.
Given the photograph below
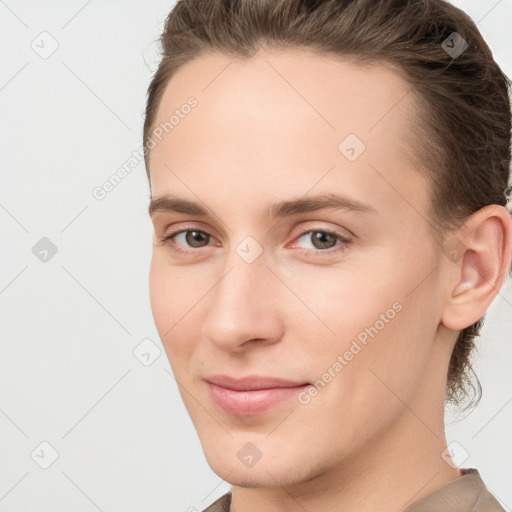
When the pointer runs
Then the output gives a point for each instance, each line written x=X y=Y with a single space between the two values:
x=251 y=395
x=252 y=382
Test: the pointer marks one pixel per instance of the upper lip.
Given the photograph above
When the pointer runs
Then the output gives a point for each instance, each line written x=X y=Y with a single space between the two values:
x=252 y=382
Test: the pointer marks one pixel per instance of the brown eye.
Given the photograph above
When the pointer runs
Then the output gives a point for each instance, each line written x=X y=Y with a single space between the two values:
x=185 y=241
x=196 y=238
x=323 y=239
x=322 y=242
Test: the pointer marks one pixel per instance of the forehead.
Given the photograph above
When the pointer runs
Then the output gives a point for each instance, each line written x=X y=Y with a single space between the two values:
x=282 y=121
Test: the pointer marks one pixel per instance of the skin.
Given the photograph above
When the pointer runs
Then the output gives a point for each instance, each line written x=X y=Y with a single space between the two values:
x=267 y=129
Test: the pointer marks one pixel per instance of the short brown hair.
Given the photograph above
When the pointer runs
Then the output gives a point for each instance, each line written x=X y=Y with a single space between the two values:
x=461 y=136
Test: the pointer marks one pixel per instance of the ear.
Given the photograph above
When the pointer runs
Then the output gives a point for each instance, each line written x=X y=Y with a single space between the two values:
x=480 y=266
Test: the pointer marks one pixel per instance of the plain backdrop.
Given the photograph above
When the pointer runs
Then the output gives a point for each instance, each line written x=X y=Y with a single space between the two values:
x=74 y=303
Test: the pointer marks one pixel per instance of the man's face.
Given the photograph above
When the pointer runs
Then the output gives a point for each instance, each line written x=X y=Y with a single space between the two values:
x=356 y=311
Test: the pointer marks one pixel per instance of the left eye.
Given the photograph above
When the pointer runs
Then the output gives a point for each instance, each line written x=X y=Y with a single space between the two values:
x=322 y=240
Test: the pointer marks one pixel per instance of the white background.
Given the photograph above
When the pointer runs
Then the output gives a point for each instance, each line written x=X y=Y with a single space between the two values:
x=68 y=375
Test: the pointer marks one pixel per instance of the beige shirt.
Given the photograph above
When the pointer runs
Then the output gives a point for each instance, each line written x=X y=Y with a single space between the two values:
x=467 y=493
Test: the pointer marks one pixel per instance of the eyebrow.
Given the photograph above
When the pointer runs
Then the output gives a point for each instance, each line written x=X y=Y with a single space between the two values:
x=274 y=211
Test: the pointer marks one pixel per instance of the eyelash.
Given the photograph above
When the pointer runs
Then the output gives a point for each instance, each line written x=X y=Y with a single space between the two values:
x=167 y=240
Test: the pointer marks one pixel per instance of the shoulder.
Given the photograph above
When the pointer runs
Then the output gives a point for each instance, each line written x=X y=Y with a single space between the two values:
x=468 y=493
x=220 y=505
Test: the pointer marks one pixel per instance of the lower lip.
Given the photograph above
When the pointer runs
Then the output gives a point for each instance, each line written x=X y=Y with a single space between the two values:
x=250 y=403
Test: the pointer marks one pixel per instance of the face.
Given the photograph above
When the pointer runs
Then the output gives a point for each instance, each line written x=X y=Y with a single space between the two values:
x=344 y=301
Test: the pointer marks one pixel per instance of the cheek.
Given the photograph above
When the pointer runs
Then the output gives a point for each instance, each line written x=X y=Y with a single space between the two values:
x=174 y=294
x=341 y=304
x=173 y=291
x=367 y=326
x=161 y=296
x=167 y=300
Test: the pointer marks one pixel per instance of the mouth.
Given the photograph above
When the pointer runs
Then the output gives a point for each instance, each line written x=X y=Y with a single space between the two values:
x=250 y=396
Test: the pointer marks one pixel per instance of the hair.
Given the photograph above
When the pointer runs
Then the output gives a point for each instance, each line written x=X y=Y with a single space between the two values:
x=460 y=135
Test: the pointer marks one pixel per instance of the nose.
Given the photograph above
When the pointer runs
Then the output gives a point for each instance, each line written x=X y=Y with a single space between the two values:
x=243 y=306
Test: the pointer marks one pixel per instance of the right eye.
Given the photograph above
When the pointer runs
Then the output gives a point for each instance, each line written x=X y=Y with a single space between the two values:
x=192 y=238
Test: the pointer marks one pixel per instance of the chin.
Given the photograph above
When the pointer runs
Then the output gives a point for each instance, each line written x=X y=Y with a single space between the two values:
x=274 y=468
x=251 y=480
x=255 y=477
